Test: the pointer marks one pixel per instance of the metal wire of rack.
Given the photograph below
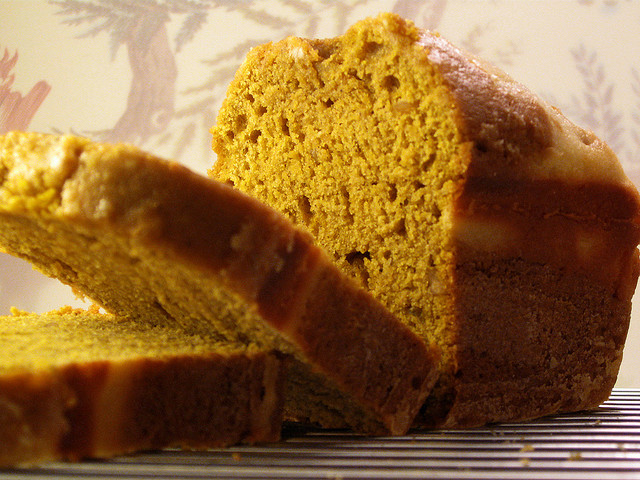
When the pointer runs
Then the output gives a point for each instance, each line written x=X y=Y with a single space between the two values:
x=602 y=444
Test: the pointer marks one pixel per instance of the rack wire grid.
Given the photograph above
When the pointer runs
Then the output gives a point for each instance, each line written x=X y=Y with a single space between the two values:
x=602 y=444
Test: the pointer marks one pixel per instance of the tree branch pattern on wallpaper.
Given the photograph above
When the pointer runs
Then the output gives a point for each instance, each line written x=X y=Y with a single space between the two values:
x=157 y=114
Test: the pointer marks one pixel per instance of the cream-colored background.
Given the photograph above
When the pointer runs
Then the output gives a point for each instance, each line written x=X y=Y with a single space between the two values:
x=154 y=72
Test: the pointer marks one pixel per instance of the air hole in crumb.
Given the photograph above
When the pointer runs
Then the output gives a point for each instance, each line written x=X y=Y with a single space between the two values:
x=349 y=217
x=371 y=47
x=158 y=306
x=414 y=310
x=305 y=207
x=426 y=165
x=284 y=125
x=357 y=257
x=393 y=193
x=328 y=103
x=261 y=110
x=345 y=193
x=435 y=211
x=230 y=134
x=231 y=183
x=347 y=212
x=325 y=50
x=386 y=254
x=241 y=122
x=354 y=73
x=417 y=185
x=249 y=97
x=356 y=260
x=390 y=82
x=254 y=136
x=400 y=227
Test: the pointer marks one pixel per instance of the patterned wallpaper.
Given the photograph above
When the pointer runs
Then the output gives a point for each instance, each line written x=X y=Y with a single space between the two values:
x=154 y=73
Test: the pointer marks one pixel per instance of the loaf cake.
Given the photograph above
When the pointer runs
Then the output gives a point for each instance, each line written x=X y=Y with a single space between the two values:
x=80 y=383
x=473 y=210
x=152 y=241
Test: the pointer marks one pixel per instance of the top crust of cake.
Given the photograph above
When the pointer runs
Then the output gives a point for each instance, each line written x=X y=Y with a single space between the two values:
x=518 y=134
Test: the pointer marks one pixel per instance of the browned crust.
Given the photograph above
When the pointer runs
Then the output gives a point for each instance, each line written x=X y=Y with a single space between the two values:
x=369 y=338
x=511 y=131
x=104 y=408
x=32 y=417
x=547 y=341
x=505 y=122
x=584 y=231
x=253 y=252
x=194 y=402
x=588 y=229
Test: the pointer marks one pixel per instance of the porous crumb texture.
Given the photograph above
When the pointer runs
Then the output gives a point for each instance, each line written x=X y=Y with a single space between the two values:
x=32 y=341
x=76 y=384
x=150 y=240
x=457 y=198
x=326 y=132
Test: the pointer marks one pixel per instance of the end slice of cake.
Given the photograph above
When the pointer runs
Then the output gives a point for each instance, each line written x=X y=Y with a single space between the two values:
x=76 y=384
x=153 y=241
x=473 y=210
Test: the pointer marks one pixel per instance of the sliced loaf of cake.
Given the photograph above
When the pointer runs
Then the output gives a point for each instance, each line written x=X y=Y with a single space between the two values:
x=470 y=208
x=77 y=384
x=150 y=240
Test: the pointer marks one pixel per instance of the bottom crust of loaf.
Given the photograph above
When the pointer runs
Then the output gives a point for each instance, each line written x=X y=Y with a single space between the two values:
x=533 y=340
x=106 y=409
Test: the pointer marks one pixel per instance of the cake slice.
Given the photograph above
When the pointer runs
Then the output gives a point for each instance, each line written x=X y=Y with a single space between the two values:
x=150 y=240
x=474 y=211
x=77 y=384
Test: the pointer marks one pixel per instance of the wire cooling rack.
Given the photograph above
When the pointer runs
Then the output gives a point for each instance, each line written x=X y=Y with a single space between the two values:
x=603 y=444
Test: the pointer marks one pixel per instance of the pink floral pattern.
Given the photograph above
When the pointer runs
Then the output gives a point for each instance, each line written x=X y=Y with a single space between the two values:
x=16 y=110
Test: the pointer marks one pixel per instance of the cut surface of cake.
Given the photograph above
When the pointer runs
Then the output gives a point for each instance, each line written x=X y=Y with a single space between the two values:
x=153 y=241
x=474 y=211
x=80 y=383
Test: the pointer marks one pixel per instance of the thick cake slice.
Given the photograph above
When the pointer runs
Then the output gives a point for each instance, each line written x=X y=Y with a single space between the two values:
x=153 y=241
x=77 y=384
x=474 y=211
